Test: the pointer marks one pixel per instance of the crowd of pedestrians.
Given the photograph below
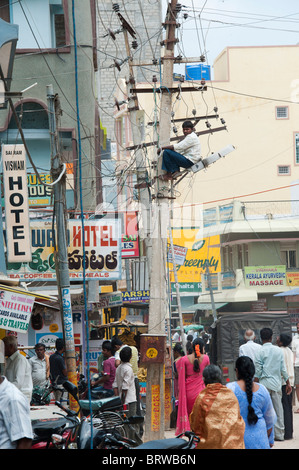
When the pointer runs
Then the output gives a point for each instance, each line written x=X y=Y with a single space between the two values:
x=266 y=375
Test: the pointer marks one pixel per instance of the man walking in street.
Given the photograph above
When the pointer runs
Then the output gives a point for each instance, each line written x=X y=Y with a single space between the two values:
x=58 y=370
x=40 y=370
x=269 y=370
x=250 y=347
x=17 y=369
x=15 y=422
x=295 y=349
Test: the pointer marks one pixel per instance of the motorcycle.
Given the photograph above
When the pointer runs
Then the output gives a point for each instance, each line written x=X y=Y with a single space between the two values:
x=113 y=440
x=66 y=432
x=94 y=393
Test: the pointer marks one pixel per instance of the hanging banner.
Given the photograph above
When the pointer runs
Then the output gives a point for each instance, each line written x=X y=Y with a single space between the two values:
x=15 y=311
x=102 y=260
x=16 y=203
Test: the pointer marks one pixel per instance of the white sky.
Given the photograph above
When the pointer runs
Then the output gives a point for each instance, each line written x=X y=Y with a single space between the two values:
x=214 y=24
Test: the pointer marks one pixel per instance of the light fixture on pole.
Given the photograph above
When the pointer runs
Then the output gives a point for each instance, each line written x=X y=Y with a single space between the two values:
x=9 y=34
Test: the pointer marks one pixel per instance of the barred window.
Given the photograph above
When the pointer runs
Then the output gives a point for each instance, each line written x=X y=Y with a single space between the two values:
x=282 y=112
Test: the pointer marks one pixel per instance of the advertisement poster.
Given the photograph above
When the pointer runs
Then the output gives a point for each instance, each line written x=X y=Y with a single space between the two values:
x=200 y=254
x=15 y=311
x=265 y=276
x=102 y=260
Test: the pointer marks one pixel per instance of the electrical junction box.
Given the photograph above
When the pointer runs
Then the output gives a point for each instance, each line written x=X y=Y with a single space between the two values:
x=152 y=349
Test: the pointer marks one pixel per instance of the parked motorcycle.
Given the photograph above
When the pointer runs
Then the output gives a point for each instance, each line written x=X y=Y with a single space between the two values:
x=113 y=440
x=66 y=432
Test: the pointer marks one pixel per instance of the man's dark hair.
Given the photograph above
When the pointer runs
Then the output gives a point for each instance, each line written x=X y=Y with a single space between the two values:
x=39 y=345
x=125 y=354
x=266 y=334
x=285 y=339
x=188 y=124
x=59 y=343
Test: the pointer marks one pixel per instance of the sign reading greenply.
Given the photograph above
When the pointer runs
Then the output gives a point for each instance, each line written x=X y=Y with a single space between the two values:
x=265 y=276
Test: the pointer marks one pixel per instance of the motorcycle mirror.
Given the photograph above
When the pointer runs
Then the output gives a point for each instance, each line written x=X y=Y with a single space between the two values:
x=136 y=419
x=71 y=388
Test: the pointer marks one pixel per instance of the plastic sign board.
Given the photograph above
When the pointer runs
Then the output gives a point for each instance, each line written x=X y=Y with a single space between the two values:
x=15 y=310
x=16 y=203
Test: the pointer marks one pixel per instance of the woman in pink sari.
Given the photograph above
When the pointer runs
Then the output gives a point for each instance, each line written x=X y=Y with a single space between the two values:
x=190 y=382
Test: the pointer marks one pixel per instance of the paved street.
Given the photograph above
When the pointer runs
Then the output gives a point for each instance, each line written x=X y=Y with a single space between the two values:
x=289 y=444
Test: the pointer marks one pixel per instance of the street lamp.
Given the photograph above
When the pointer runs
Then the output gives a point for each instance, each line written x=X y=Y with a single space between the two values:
x=9 y=34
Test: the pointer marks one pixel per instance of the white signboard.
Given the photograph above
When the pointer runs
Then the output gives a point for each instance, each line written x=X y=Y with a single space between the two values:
x=113 y=299
x=15 y=310
x=180 y=253
x=16 y=203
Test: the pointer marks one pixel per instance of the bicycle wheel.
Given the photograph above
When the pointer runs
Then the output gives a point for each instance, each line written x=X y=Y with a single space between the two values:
x=109 y=421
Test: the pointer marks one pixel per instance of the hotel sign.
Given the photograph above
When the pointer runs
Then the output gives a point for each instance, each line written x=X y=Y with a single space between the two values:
x=16 y=203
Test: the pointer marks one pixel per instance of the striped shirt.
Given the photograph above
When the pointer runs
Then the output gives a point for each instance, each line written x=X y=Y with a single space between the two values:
x=15 y=422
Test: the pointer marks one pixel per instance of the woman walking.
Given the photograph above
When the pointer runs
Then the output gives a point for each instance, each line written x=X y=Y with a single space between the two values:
x=190 y=382
x=255 y=406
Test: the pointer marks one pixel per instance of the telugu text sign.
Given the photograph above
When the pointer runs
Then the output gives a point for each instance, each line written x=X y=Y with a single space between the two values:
x=101 y=256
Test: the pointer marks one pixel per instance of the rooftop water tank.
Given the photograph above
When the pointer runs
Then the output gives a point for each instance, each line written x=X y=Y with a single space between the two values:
x=197 y=72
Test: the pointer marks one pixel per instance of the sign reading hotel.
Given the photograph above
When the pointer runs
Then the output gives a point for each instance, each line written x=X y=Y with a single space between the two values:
x=16 y=203
x=15 y=311
x=265 y=276
x=102 y=250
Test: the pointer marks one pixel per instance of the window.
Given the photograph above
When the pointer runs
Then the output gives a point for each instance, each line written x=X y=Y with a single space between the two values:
x=242 y=255
x=284 y=169
x=282 y=112
x=288 y=255
x=4 y=10
x=41 y=23
x=296 y=148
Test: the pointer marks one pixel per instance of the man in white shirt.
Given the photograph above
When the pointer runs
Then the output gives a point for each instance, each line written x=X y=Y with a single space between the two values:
x=17 y=368
x=40 y=371
x=15 y=422
x=124 y=386
x=250 y=347
x=183 y=154
x=295 y=349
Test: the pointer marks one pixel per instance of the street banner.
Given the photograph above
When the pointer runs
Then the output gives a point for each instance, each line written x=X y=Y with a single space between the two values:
x=102 y=260
x=15 y=311
x=16 y=203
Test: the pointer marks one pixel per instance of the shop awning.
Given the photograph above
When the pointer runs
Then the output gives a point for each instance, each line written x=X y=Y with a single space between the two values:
x=205 y=306
x=20 y=290
x=288 y=293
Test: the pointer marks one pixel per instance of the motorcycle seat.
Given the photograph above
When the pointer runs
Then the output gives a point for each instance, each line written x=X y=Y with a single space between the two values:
x=103 y=404
x=173 y=443
x=45 y=428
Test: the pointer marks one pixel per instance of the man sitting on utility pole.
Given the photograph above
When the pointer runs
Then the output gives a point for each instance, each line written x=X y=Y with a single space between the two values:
x=183 y=154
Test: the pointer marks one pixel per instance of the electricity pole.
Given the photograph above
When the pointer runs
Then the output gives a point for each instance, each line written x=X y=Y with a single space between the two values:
x=158 y=309
x=60 y=253
x=137 y=122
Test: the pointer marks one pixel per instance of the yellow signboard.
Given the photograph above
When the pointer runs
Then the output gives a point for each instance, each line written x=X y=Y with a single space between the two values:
x=201 y=253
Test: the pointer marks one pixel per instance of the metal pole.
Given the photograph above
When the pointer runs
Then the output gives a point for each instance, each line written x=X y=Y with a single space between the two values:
x=61 y=255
